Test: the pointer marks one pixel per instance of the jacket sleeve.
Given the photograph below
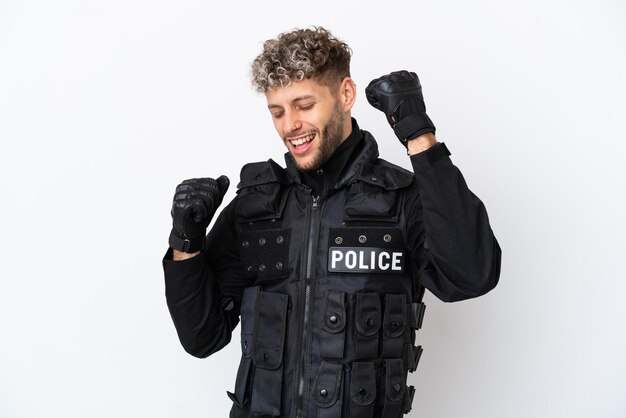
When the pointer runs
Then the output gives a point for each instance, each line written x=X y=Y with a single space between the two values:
x=203 y=293
x=456 y=249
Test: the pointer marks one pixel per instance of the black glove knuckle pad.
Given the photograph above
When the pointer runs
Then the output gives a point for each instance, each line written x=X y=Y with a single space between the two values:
x=195 y=203
x=399 y=96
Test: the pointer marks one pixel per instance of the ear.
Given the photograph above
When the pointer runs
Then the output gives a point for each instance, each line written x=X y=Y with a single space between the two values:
x=347 y=93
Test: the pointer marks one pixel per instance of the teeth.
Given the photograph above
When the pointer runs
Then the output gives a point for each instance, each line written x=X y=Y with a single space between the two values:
x=300 y=141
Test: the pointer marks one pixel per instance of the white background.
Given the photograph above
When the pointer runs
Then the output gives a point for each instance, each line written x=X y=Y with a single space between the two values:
x=106 y=105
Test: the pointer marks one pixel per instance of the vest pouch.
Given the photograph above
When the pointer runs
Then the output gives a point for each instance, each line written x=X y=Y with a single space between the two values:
x=395 y=389
x=368 y=321
x=260 y=192
x=334 y=325
x=362 y=389
x=375 y=194
x=327 y=390
x=394 y=324
x=241 y=396
x=367 y=201
x=267 y=357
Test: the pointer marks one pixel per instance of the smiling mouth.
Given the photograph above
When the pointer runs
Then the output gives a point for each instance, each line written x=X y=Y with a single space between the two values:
x=302 y=140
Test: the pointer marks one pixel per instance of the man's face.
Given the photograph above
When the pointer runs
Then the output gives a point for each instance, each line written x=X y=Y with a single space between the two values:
x=309 y=119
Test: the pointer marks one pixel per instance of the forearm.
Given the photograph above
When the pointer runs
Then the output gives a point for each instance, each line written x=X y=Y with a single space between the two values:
x=181 y=256
x=195 y=305
x=421 y=143
x=462 y=252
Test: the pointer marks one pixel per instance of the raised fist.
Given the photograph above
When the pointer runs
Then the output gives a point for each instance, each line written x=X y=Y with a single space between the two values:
x=195 y=203
x=399 y=96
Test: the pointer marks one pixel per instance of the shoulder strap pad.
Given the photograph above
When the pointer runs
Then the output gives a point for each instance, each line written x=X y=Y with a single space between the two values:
x=386 y=175
x=269 y=171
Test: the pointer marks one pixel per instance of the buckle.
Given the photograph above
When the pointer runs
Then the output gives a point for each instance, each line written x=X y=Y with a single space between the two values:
x=184 y=244
x=412 y=357
x=408 y=398
x=417 y=315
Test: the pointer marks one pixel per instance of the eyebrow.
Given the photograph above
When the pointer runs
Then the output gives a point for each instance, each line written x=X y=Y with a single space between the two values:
x=297 y=99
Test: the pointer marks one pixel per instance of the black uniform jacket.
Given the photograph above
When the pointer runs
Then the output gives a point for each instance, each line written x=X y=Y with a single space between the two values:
x=328 y=281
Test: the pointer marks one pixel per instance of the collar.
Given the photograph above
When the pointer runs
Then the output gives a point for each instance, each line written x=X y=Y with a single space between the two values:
x=345 y=164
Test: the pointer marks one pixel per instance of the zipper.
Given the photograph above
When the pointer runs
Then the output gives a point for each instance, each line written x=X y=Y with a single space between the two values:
x=303 y=369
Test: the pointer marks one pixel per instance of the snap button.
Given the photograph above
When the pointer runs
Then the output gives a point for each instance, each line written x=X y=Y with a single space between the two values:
x=279 y=265
x=280 y=240
x=324 y=393
x=369 y=322
x=397 y=387
x=362 y=238
x=374 y=179
x=249 y=268
x=362 y=392
x=245 y=244
x=333 y=319
x=395 y=325
x=338 y=240
x=262 y=267
x=319 y=171
x=266 y=356
x=387 y=238
x=261 y=241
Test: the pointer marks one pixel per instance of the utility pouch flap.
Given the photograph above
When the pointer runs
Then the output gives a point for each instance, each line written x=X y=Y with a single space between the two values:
x=395 y=315
x=363 y=383
x=335 y=312
x=270 y=330
x=334 y=323
x=394 y=379
x=368 y=313
x=328 y=384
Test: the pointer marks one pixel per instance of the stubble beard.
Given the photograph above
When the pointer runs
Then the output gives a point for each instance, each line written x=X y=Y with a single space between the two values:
x=330 y=139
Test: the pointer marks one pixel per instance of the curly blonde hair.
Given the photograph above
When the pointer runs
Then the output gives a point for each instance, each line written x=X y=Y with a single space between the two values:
x=299 y=54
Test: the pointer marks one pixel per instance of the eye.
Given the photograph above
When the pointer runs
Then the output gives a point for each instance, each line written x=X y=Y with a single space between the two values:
x=277 y=115
x=306 y=106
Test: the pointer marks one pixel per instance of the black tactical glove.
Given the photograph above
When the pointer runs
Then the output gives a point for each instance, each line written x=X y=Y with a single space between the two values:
x=399 y=96
x=195 y=203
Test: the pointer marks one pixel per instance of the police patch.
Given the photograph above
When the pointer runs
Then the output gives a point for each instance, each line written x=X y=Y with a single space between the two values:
x=365 y=260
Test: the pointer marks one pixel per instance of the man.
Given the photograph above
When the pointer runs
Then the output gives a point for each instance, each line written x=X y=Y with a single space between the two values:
x=326 y=261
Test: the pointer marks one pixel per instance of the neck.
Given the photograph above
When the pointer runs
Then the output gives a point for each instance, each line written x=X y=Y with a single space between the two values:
x=347 y=127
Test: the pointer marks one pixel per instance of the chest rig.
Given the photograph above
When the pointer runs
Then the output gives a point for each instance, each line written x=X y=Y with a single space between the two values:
x=328 y=328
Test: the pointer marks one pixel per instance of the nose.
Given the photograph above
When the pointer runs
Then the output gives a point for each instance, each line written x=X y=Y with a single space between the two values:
x=291 y=122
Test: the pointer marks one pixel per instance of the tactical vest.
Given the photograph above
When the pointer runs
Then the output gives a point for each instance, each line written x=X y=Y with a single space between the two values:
x=328 y=329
